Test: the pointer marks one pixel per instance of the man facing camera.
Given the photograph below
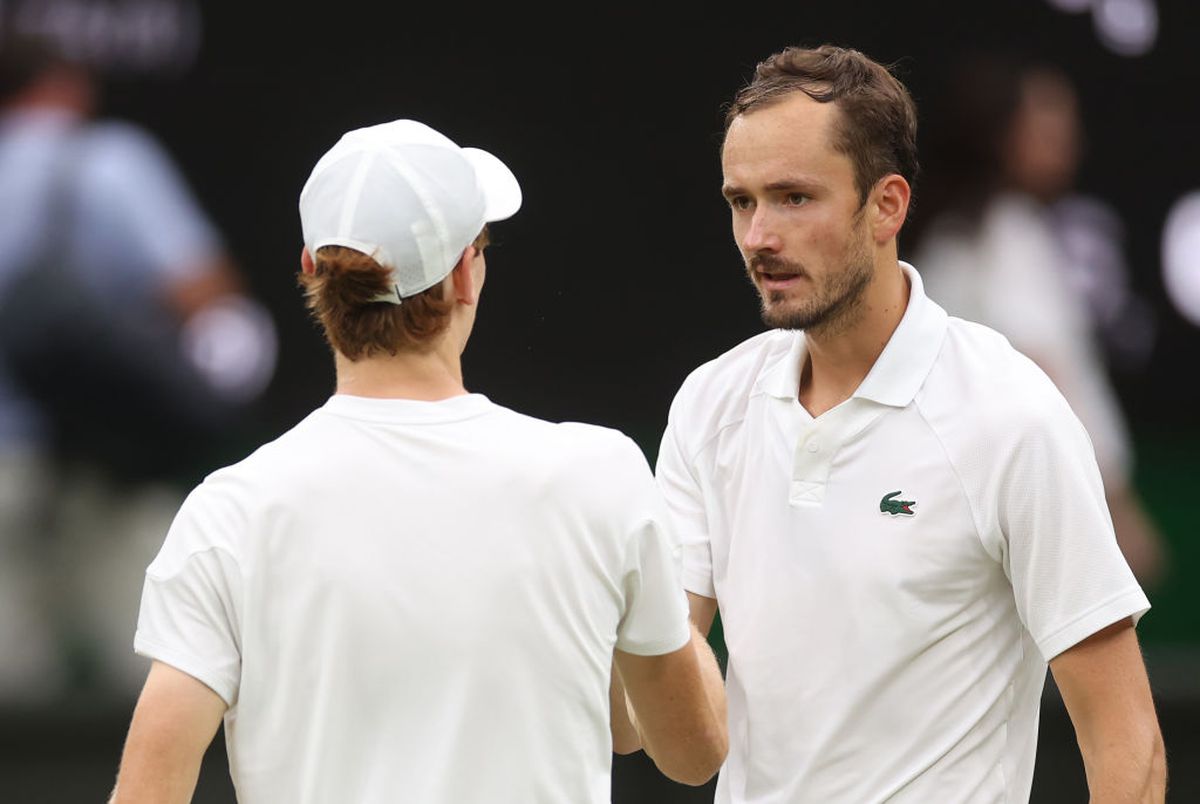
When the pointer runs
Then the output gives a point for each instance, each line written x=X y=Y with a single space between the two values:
x=898 y=515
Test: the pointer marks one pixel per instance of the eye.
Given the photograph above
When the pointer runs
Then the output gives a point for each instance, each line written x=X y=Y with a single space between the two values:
x=739 y=202
x=795 y=199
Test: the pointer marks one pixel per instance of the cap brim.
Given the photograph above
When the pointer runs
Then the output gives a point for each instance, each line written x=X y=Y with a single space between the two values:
x=501 y=192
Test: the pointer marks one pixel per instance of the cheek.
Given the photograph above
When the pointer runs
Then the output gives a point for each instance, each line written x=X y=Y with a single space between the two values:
x=822 y=236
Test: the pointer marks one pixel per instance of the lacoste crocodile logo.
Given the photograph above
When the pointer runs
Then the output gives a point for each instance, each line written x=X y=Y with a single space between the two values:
x=888 y=505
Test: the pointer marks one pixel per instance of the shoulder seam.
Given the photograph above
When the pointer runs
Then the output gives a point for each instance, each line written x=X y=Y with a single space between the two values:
x=183 y=564
x=723 y=426
x=957 y=475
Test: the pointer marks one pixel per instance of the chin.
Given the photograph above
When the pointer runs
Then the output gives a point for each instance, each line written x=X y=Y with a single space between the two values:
x=778 y=303
x=785 y=316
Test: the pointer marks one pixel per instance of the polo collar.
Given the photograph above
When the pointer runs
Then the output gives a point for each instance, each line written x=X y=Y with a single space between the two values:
x=901 y=368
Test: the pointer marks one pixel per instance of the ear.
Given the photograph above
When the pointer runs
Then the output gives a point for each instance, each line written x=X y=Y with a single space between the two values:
x=306 y=262
x=463 y=281
x=891 y=197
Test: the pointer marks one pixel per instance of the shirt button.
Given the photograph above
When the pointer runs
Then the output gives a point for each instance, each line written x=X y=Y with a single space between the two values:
x=814 y=447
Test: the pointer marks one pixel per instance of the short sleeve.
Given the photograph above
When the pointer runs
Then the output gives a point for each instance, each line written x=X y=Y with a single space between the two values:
x=655 y=619
x=1068 y=575
x=685 y=506
x=191 y=601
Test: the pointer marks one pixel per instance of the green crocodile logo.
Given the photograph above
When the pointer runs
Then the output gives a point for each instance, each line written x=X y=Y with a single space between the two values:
x=896 y=507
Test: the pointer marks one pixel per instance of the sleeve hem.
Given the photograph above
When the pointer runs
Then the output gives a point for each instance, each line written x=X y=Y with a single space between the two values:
x=1129 y=603
x=152 y=649
x=699 y=583
x=658 y=647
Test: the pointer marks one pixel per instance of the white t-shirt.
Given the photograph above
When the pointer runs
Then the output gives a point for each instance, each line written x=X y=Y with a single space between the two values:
x=894 y=574
x=418 y=601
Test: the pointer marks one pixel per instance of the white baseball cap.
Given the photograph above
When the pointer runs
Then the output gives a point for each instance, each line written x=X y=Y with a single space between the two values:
x=408 y=197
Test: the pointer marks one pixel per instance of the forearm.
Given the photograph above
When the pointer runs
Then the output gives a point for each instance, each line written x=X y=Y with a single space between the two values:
x=710 y=740
x=1107 y=693
x=151 y=783
x=1126 y=769
x=175 y=720
x=714 y=682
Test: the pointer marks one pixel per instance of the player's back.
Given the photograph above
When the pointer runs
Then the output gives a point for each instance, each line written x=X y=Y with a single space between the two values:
x=428 y=596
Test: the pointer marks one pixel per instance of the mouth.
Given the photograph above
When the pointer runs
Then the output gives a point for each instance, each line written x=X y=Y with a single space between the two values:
x=775 y=280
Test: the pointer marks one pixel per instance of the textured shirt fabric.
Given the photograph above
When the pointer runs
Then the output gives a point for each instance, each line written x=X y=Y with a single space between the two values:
x=418 y=601
x=893 y=575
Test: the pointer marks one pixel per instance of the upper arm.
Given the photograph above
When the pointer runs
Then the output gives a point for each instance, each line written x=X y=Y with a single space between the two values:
x=676 y=474
x=654 y=616
x=174 y=722
x=191 y=609
x=1057 y=544
x=1103 y=678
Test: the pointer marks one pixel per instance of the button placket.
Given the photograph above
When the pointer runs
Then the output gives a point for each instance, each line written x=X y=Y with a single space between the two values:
x=820 y=441
x=809 y=468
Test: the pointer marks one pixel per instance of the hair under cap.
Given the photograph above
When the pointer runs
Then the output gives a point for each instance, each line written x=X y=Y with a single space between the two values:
x=407 y=196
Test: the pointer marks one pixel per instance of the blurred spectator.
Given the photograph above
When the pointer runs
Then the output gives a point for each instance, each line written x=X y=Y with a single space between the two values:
x=127 y=346
x=1002 y=242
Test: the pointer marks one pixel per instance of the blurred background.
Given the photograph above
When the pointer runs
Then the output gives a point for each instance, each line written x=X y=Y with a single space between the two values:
x=151 y=157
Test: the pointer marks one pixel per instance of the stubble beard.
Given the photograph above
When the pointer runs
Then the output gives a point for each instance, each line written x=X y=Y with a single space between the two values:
x=834 y=306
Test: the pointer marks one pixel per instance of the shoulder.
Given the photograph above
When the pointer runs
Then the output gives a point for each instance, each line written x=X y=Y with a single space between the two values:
x=743 y=361
x=591 y=471
x=983 y=391
x=717 y=393
x=215 y=516
x=570 y=445
x=270 y=470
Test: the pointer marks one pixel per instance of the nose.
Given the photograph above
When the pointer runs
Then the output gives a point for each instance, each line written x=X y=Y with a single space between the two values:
x=761 y=234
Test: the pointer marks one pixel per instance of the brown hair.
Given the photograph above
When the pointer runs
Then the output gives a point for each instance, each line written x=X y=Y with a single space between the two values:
x=877 y=127
x=339 y=294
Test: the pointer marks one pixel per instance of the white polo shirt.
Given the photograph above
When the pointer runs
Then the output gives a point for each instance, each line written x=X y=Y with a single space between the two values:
x=894 y=574
x=418 y=601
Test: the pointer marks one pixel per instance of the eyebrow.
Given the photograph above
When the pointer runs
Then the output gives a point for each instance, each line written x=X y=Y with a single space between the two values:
x=782 y=185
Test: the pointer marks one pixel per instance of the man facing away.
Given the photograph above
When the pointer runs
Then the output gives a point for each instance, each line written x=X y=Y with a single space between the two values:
x=899 y=517
x=416 y=594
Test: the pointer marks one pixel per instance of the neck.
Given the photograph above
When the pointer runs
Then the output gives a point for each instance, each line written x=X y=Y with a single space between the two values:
x=423 y=376
x=840 y=356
